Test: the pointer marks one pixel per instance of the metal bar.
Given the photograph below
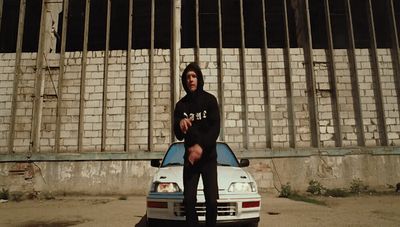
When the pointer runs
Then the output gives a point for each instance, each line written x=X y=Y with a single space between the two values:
x=175 y=61
x=288 y=80
x=332 y=78
x=151 y=78
x=1 y=11
x=244 y=77
x=105 y=80
x=395 y=49
x=39 y=85
x=311 y=87
x=354 y=78
x=17 y=72
x=267 y=91
x=128 y=78
x=376 y=75
x=221 y=72
x=197 y=49
x=83 y=76
x=61 y=75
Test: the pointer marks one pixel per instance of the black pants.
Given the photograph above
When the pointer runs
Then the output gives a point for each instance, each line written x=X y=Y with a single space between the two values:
x=191 y=175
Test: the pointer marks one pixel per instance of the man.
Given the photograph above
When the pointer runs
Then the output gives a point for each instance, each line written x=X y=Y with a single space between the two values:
x=197 y=121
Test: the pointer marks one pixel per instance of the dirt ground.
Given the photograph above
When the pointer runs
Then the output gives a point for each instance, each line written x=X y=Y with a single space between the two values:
x=365 y=210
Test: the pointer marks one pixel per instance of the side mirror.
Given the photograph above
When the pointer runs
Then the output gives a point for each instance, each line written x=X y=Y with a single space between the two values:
x=155 y=163
x=244 y=162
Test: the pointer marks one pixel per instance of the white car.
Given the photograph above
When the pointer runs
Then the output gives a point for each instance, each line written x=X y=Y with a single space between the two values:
x=238 y=203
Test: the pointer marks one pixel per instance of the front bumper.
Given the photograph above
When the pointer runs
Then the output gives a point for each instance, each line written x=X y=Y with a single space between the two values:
x=167 y=223
x=232 y=208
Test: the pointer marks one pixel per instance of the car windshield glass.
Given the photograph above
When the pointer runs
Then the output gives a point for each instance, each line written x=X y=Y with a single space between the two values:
x=174 y=156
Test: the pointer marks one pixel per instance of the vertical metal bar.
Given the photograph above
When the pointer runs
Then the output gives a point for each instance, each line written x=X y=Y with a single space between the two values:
x=105 y=80
x=244 y=77
x=39 y=85
x=128 y=78
x=311 y=87
x=376 y=75
x=267 y=92
x=1 y=11
x=288 y=80
x=61 y=75
x=83 y=76
x=175 y=45
x=354 y=78
x=332 y=78
x=197 y=50
x=151 y=77
x=221 y=75
x=17 y=72
x=395 y=49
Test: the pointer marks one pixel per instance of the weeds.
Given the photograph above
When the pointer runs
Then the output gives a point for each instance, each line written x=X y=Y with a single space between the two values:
x=316 y=188
x=357 y=186
x=286 y=190
x=4 y=194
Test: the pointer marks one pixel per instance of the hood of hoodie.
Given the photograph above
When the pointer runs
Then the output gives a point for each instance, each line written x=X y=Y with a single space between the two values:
x=200 y=81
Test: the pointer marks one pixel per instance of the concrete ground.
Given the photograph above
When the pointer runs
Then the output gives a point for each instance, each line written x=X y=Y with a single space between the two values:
x=85 y=211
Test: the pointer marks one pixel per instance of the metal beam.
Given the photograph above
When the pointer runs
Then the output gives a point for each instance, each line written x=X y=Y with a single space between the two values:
x=310 y=78
x=83 y=76
x=221 y=73
x=376 y=76
x=175 y=46
x=105 y=80
x=1 y=11
x=197 y=48
x=39 y=86
x=395 y=48
x=17 y=72
x=61 y=74
x=354 y=78
x=288 y=81
x=267 y=91
x=244 y=79
x=151 y=78
x=128 y=78
x=332 y=78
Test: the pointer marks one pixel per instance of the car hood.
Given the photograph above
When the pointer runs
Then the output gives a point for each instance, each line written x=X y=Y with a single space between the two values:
x=226 y=175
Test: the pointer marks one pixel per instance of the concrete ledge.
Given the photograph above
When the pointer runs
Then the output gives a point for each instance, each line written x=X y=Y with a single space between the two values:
x=143 y=155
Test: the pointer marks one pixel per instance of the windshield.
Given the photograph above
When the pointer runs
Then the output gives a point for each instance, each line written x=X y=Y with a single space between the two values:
x=174 y=156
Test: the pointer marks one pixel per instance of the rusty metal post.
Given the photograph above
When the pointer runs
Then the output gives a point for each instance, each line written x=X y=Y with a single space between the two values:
x=17 y=72
x=83 y=76
x=61 y=75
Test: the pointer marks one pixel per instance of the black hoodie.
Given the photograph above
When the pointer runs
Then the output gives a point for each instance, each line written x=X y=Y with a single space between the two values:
x=202 y=108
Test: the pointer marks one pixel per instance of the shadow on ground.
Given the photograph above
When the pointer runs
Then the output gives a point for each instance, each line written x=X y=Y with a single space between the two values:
x=142 y=222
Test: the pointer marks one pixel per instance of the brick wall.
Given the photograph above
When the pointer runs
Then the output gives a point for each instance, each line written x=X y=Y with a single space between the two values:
x=232 y=93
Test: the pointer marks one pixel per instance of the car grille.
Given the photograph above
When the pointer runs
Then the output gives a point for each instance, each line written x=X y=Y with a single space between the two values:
x=224 y=209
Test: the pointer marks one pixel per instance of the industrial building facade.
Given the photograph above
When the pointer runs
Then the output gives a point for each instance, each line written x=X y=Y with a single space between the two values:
x=92 y=84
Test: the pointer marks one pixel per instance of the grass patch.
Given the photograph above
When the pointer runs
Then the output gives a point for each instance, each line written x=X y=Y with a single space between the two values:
x=306 y=199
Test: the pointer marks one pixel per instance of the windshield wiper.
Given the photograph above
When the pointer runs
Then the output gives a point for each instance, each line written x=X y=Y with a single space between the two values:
x=173 y=164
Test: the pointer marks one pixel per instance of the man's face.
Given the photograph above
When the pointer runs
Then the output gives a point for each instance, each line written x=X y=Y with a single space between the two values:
x=191 y=81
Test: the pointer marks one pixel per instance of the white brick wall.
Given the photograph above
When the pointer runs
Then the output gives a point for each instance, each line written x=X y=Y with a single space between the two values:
x=233 y=99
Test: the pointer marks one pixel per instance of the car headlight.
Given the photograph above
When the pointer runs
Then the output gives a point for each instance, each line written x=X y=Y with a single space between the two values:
x=165 y=187
x=242 y=187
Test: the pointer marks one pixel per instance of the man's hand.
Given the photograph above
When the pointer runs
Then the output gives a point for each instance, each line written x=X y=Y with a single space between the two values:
x=185 y=124
x=195 y=153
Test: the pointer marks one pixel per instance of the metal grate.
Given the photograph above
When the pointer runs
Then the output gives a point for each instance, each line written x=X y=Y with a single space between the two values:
x=224 y=209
